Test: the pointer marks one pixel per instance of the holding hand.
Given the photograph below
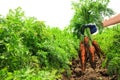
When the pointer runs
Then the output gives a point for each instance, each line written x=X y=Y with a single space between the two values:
x=111 y=21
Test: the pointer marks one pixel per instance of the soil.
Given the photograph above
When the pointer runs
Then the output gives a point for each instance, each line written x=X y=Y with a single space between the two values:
x=89 y=74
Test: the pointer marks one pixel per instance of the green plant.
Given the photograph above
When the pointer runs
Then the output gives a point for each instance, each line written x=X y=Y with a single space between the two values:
x=31 y=50
x=29 y=74
x=89 y=11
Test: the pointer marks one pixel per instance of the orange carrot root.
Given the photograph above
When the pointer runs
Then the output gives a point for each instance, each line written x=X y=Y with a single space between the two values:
x=92 y=52
x=86 y=40
x=92 y=56
x=88 y=52
x=97 y=48
x=82 y=56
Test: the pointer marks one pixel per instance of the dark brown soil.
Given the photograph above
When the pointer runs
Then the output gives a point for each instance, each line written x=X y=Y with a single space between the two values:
x=89 y=74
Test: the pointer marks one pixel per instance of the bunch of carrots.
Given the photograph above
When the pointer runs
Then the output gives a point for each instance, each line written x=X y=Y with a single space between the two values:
x=88 y=49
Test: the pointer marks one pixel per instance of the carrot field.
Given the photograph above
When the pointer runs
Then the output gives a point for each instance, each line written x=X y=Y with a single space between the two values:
x=32 y=50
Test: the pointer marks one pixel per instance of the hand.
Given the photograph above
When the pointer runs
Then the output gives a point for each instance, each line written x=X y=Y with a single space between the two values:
x=105 y=22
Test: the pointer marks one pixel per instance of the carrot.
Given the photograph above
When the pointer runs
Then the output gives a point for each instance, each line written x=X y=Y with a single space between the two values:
x=92 y=56
x=97 y=48
x=82 y=56
x=92 y=52
x=86 y=40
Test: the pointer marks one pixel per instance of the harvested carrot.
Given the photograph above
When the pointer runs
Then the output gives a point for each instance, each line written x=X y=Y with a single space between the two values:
x=92 y=56
x=92 y=52
x=86 y=40
x=82 y=56
x=97 y=48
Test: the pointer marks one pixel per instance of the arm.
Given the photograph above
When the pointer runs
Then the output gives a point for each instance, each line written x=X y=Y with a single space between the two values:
x=112 y=21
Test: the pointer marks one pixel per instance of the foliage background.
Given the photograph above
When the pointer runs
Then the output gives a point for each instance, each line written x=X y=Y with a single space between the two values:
x=28 y=48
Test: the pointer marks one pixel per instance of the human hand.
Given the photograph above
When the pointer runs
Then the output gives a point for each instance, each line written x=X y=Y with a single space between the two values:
x=105 y=23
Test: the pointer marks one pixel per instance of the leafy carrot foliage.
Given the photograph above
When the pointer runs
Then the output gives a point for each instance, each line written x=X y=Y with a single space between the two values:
x=29 y=46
